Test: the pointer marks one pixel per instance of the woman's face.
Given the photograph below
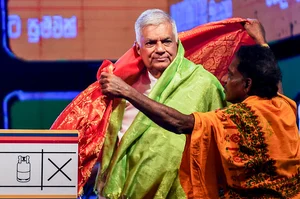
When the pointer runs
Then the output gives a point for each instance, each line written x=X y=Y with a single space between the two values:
x=236 y=88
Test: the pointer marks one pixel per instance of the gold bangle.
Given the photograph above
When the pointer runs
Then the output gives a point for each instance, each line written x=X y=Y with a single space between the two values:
x=265 y=45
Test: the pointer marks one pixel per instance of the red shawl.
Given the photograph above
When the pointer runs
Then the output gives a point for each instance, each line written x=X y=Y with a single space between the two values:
x=212 y=45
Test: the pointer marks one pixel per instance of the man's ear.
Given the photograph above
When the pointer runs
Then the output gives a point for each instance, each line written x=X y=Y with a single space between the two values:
x=137 y=48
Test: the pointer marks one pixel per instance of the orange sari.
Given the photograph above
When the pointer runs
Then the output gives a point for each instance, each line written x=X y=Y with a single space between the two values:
x=212 y=45
x=248 y=150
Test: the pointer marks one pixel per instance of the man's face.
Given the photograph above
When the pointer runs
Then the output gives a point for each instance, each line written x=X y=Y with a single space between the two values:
x=158 y=47
x=236 y=87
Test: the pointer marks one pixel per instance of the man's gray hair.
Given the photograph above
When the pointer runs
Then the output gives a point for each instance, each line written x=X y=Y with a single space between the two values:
x=153 y=17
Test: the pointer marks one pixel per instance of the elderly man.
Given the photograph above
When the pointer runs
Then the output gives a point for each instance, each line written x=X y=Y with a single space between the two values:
x=250 y=149
x=146 y=162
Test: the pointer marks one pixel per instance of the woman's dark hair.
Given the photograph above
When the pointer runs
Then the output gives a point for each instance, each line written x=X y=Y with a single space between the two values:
x=259 y=64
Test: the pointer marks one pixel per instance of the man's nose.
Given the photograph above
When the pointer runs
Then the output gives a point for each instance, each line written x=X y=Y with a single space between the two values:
x=160 y=48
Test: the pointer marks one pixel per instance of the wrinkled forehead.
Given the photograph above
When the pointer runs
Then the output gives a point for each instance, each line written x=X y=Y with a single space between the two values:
x=162 y=30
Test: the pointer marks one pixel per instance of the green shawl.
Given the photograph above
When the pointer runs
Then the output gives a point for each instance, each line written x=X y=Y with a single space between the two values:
x=147 y=160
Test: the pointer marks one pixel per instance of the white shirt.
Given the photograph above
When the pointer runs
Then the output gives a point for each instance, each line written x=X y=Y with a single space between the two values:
x=144 y=85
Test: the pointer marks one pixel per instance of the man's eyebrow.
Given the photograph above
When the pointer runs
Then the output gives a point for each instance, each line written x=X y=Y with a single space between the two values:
x=150 y=40
x=167 y=38
x=155 y=40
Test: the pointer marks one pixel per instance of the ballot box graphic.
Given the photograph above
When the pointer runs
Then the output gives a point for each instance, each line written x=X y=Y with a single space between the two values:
x=38 y=164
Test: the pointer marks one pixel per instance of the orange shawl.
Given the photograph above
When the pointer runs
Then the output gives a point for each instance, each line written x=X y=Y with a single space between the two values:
x=248 y=150
x=212 y=45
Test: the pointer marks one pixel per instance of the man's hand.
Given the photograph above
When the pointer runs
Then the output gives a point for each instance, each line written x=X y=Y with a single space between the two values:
x=255 y=29
x=112 y=85
x=162 y=115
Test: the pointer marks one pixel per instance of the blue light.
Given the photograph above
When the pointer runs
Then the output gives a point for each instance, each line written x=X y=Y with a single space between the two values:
x=14 y=20
x=283 y=4
x=191 y=13
x=4 y=30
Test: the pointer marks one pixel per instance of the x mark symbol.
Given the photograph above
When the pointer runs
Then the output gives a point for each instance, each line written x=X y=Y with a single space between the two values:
x=59 y=169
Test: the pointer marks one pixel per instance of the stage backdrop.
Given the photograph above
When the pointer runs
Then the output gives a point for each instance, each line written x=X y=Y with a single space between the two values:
x=102 y=29
x=73 y=29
